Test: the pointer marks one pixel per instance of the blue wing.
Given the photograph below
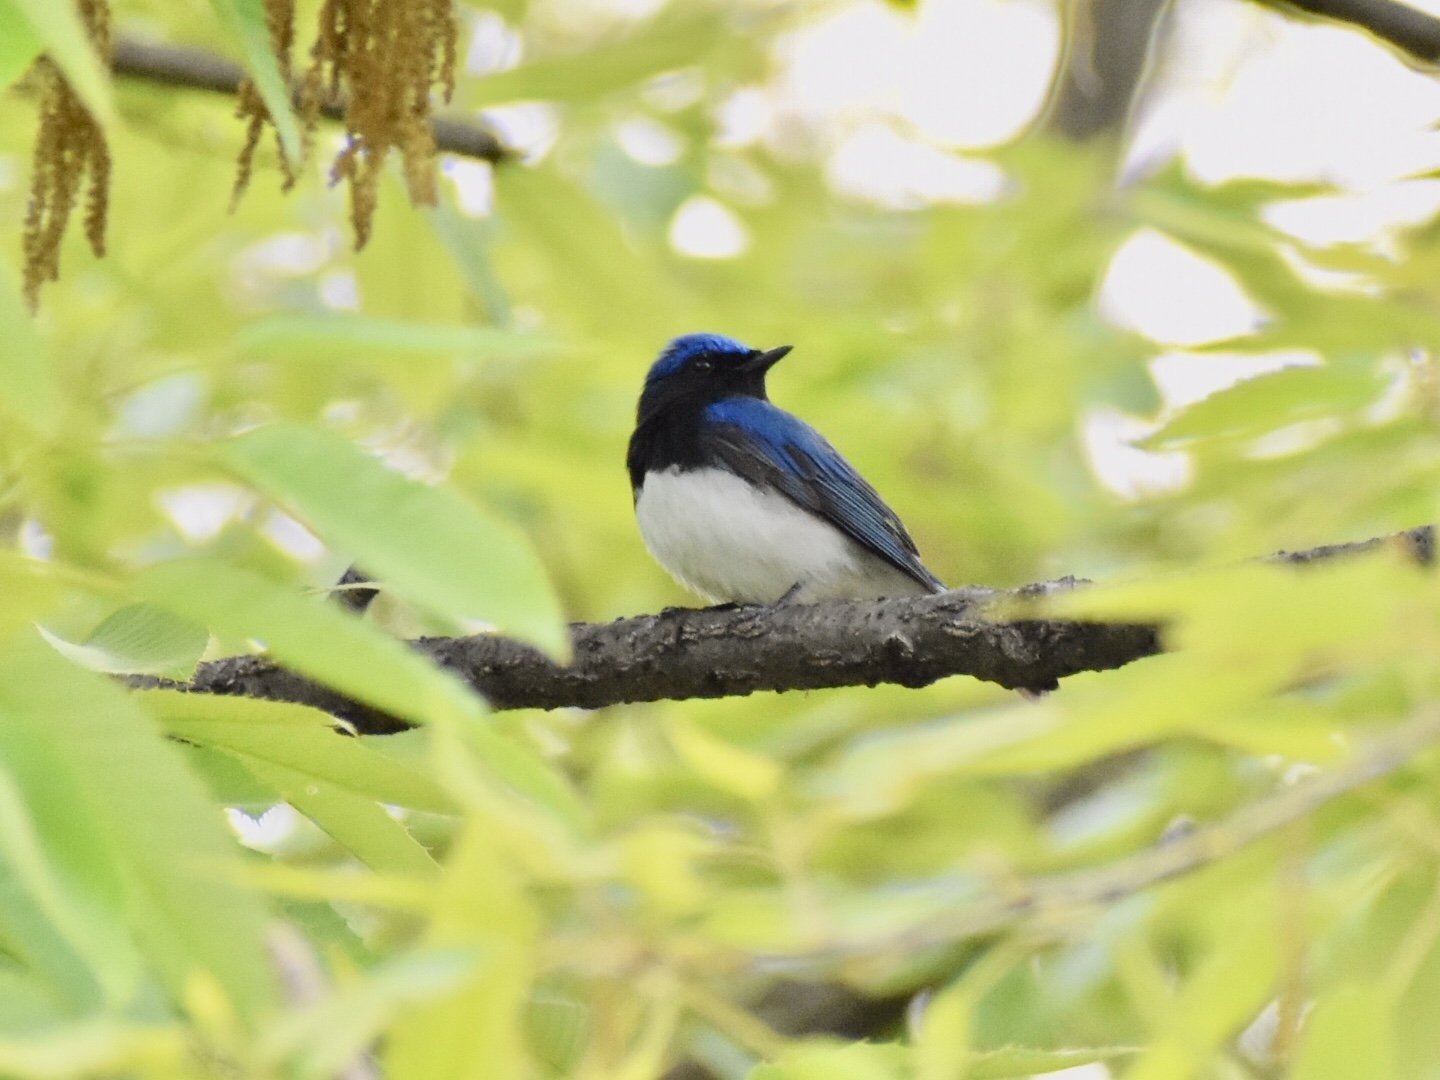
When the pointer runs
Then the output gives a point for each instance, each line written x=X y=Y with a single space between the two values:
x=767 y=446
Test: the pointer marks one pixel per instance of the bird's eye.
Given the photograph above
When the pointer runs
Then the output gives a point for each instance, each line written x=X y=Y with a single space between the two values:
x=704 y=365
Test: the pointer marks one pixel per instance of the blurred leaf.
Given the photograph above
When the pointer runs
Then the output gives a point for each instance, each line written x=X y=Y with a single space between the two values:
x=31 y=591
x=46 y=980
x=230 y=784
x=338 y=650
x=140 y=639
x=329 y=335
x=660 y=860
x=884 y=771
x=942 y=1044
x=413 y=895
x=595 y=272
x=19 y=44
x=321 y=1039
x=81 y=751
x=731 y=768
x=431 y=545
x=1023 y=1061
x=1348 y=1035
x=300 y=739
x=359 y=825
x=824 y=1060
x=245 y=21
x=1226 y=991
x=28 y=390
x=96 y=935
x=62 y=33
x=311 y=635
x=98 y=1047
x=523 y=769
x=677 y=38
x=1271 y=401
x=468 y=244
x=478 y=1031
x=558 y=1028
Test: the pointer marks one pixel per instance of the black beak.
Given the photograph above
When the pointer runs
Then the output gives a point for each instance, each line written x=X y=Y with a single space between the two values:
x=764 y=361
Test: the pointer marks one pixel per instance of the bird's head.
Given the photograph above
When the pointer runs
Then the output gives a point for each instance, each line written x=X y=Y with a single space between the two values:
x=701 y=368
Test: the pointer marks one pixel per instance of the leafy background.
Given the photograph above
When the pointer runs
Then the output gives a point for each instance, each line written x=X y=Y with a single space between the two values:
x=203 y=429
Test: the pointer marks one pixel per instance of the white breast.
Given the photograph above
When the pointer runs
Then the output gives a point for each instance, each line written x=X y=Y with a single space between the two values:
x=728 y=540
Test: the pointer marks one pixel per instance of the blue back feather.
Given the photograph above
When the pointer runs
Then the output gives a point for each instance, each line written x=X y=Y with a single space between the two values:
x=769 y=447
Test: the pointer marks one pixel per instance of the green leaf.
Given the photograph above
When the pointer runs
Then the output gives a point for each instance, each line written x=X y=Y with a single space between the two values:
x=19 y=44
x=1271 y=401
x=61 y=32
x=1349 y=1035
x=97 y=935
x=98 y=1047
x=467 y=242
x=477 y=1031
x=320 y=639
x=311 y=635
x=359 y=825
x=29 y=393
x=228 y=781
x=434 y=547
x=824 y=1059
x=558 y=1027
x=298 y=738
x=743 y=773
x=31 y=592
x=138 y=639
x=245 y=20
x=46 y=978
x=117 y=811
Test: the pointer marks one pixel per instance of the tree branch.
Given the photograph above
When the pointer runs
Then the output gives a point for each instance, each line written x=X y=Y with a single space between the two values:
x=731 y=652
x=1411 y=31
x=195 y=69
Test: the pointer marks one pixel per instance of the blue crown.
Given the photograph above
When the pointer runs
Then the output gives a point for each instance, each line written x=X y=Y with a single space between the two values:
x=689 y=346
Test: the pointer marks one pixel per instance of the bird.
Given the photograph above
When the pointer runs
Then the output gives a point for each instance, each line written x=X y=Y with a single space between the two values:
x=745 y=503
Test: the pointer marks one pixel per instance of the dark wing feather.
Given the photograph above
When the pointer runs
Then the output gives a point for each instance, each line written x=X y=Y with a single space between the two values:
x=763 y=444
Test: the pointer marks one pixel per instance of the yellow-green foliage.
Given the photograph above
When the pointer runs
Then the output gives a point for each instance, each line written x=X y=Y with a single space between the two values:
x=601 y=895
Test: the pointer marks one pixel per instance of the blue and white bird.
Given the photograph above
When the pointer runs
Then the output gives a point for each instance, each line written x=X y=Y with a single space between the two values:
x=742 y=502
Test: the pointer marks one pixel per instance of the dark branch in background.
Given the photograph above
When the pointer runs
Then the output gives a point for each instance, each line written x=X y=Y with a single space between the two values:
x=730 y=652
x=353 y=590
x=1412 y=32
x=195 y=69
x=1109 y=42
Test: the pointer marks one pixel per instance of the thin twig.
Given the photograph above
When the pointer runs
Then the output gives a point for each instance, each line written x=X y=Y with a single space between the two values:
x=196 y=69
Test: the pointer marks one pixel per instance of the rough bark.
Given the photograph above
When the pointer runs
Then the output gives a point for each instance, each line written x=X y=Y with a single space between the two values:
x=731 y=652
